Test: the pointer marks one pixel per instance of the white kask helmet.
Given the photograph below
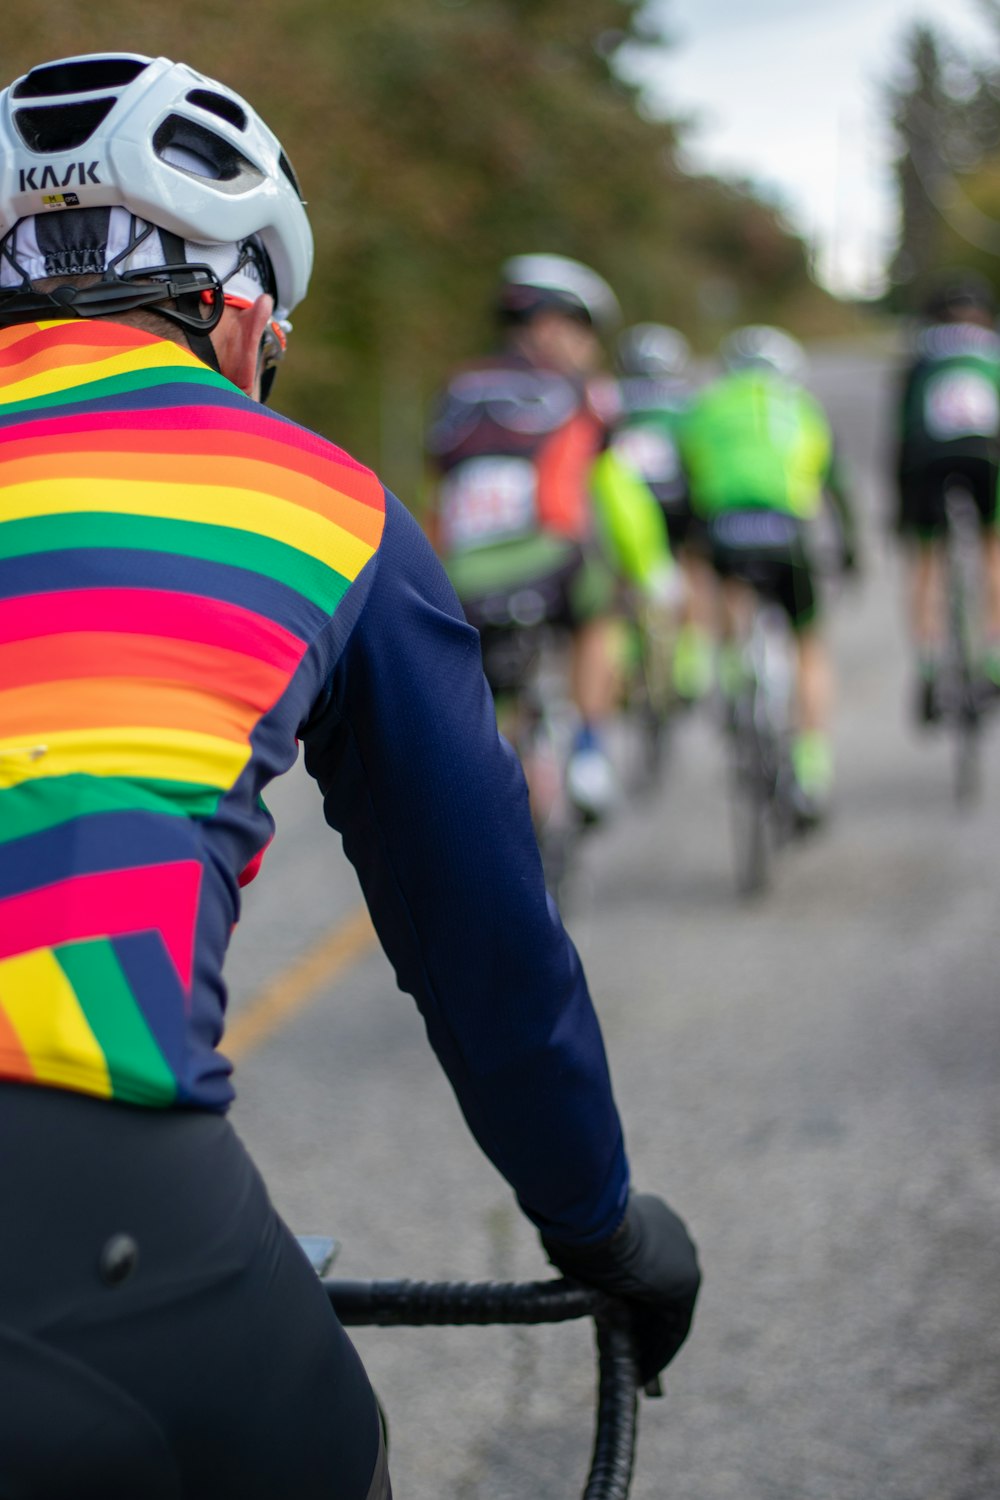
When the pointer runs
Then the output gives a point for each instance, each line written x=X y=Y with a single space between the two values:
x=174 y=148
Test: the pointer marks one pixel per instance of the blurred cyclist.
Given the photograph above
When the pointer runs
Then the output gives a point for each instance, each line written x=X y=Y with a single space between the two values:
x=759 y=456
x=949 y=428
x=189 y=585
x=655 y=393
x=531 y=518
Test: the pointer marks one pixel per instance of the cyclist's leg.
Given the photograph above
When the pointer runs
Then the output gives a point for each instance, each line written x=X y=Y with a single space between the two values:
x=812 y=746
x=594 y=669
x=735 y=573
x=220 y=1331
x=982 y=477
x=797 y=594
x=694 y=663
x=991 y=574
x=588 y=611
x=927 y=596
x=588 y=597
x=815 y=681
x=923 y=524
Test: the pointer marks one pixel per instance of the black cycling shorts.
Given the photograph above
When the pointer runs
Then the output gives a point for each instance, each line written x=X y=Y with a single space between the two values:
x=161 y=1332
x=679 y=519
x=766 y=549
x=581 y=589
x=922 y=493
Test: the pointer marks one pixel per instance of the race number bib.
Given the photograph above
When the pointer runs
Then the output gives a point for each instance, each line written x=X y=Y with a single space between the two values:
x=487 y=500
x=649 y=453
x=961 y=403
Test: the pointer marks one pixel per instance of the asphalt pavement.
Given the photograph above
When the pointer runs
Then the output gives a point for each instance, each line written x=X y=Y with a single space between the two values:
x=810 y=1078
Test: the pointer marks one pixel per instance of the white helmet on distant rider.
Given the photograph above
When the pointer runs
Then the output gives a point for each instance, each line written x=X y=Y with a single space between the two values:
x=532 y=283
x=653 y=349
x=762 y=347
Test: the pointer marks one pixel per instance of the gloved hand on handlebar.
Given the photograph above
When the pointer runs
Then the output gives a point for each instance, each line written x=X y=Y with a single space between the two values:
x=651 y=1262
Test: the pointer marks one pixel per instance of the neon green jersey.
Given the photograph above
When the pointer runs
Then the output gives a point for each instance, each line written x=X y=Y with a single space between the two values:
x=752 y=440
x=629 y=521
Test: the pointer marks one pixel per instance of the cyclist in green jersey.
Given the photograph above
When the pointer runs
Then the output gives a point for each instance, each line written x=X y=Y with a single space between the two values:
x=655 y=392
x=949 y=429
x=759 y=455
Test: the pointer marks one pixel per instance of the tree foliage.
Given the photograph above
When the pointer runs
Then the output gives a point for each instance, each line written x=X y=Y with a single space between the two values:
x=945 y=109
x=435 y=137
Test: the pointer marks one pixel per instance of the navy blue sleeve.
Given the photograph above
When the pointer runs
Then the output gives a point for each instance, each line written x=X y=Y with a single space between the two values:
x=433 y=811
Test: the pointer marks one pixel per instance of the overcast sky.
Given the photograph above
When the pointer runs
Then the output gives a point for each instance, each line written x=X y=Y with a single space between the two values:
x=787 y=92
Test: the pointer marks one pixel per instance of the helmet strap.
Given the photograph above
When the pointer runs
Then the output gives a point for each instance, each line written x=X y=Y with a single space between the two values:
x=189 y=313
x=125 y=291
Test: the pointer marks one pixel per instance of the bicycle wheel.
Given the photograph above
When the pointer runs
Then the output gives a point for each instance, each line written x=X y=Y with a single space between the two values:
x=967 y=768
x=762 y=783
x=750 y=800
x=648 y=706
x=963 y=690
x=543 y=744
x=659 y=646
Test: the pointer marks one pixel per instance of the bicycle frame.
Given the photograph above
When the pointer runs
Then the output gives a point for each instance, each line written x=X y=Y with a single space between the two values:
x=534 y=714
x=648 y=696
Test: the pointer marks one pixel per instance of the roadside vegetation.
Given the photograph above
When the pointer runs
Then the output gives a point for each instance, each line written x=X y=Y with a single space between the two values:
x=432 y=139
x=944 y=104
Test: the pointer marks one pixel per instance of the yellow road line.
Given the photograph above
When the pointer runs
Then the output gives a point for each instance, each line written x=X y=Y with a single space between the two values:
x=274 y=1005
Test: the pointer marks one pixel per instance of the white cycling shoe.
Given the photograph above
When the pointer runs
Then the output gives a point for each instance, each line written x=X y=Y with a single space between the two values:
x=591 y=783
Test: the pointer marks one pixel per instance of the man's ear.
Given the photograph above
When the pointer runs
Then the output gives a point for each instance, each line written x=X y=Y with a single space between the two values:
x=237 y=343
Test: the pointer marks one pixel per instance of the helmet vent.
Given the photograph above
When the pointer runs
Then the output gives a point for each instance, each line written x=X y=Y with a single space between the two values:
x=226 y=166
x=289 y=172
x=87 y=76
x=218 y=104
x=50 y=129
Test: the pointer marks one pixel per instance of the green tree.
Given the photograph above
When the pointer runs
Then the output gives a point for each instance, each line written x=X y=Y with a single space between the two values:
x=946 y=113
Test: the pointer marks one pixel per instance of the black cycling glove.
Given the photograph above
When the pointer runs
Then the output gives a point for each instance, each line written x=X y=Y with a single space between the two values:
x=651 y=1262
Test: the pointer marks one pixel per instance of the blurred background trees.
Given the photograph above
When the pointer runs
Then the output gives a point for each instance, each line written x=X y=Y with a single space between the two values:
x=435 y=137
x=945 y=109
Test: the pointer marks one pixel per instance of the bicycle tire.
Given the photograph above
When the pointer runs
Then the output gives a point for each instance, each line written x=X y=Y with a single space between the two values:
x=656 y=726
x=419 y=1304
x=965 y=705
x=557 y=823
x=750 y=802
x=967 y=766
x=650 y=704
x=540 y=739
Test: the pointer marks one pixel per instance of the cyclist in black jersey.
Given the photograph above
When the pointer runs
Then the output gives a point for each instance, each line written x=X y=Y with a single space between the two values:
x=191 y=587
x=948 y=426
x=513 y=441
